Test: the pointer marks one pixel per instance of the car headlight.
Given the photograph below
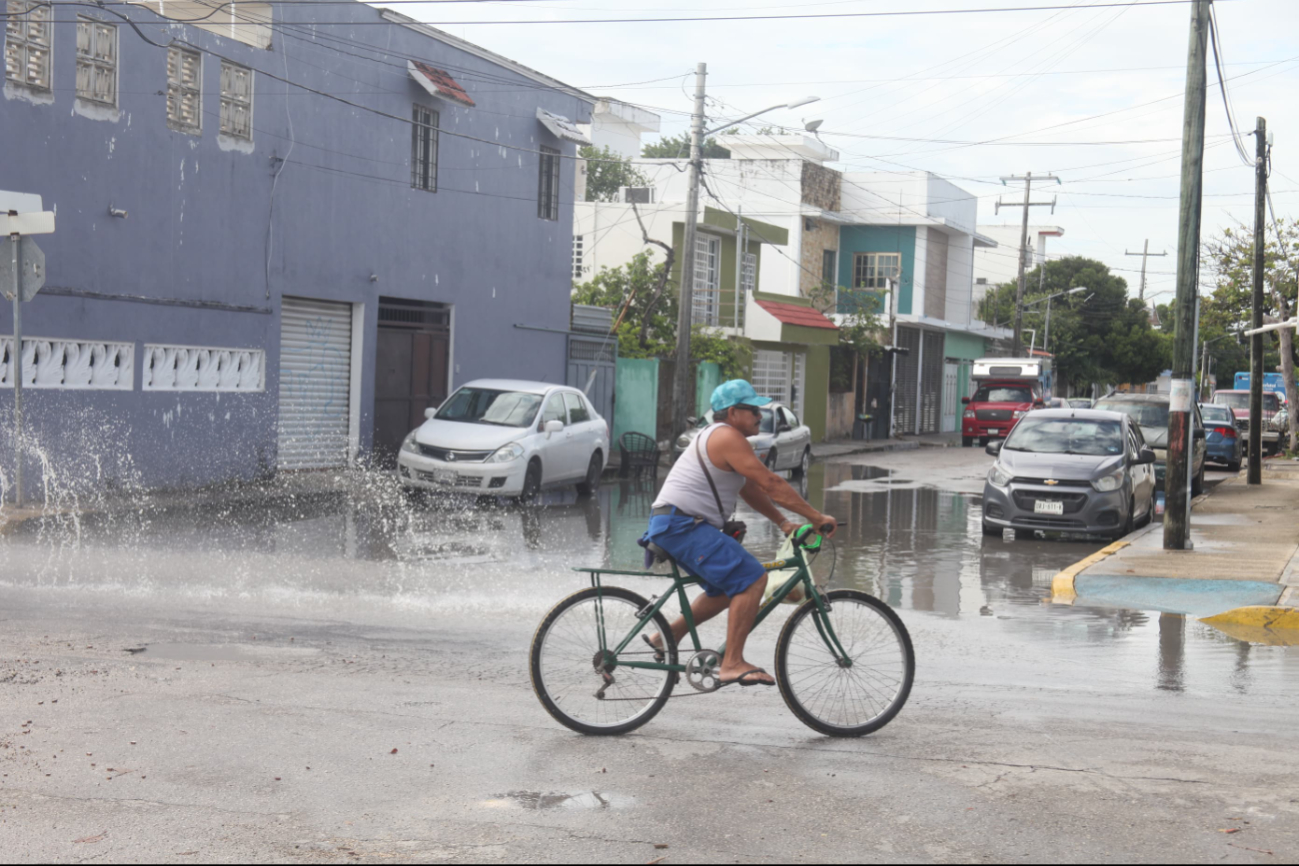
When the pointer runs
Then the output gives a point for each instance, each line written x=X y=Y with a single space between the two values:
x=683 y=441
x=998 y=477
x=1111 y=482
x=1018 y=413
x=410 y=445
x=507 y=454
x=969 y=413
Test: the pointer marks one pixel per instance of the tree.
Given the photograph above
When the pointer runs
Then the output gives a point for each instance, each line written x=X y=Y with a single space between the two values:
x=678 y=147
x=1100 y=335
x=645 y=322
x=1230 y=257
x=607 y=173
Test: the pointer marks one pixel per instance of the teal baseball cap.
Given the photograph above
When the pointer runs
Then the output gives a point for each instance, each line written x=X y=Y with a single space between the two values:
x=736 y=392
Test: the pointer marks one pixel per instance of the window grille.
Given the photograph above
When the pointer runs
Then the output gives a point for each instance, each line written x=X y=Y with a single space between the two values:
x=874 y=270
x=706 y=301
x=96 y=61
x=749 y=274
x=184 y=90
x=27 y=44
x=578 y=242
x=424 y=149
x=236 y=101
x=548 y=185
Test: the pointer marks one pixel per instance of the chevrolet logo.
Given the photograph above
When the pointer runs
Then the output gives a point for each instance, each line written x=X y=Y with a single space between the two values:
x=451 y=456
x=1050 y=482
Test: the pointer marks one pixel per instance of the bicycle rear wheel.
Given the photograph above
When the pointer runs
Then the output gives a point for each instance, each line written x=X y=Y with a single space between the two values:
x=846 y=701
x=572 y=676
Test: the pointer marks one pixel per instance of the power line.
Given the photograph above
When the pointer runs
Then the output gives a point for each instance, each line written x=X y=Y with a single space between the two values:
x=1214 y=38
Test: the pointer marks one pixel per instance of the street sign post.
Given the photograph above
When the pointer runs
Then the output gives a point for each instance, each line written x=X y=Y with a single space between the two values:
x=23 y=263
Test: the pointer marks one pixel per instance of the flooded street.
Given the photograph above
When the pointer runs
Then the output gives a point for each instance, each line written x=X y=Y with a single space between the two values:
x=217 y=650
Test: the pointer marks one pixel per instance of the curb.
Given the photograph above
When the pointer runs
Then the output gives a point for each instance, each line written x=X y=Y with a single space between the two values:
x=1259 y=616
x=1062 y=585
x=891 y=446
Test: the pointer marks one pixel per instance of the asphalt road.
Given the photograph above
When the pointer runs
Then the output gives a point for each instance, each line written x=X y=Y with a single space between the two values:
x=345 y=679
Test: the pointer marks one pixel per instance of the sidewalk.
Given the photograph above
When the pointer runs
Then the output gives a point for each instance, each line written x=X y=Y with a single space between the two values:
x=1242 y=570
x=845 y=447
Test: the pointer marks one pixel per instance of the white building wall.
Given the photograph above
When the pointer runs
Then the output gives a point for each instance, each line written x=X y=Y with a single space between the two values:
x=960 y=279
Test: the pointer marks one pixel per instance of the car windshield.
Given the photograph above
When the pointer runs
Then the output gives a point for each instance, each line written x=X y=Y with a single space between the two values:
x=1100 y=438
x=768 y=420
x=1212 y=413
x=1144 y=413
x=1002 y=394
x=485 y=406
x=1081 y=404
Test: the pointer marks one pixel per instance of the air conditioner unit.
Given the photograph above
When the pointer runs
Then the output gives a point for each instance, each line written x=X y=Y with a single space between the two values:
x=638 y=195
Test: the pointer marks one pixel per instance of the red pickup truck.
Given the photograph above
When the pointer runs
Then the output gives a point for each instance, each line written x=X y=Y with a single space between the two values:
x=996 y=406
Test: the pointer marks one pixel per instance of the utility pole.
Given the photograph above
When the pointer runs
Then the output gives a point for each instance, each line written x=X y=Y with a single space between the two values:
x=1145 y=254
x=1256 y=340
x=1177 y=524
x=681 y=389
x=1023 y=246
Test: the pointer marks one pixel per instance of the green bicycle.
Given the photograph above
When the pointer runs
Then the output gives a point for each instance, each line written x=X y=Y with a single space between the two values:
x=844 y=661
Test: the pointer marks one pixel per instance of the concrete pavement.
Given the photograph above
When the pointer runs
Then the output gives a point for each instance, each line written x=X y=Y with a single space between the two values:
x=1245 y=556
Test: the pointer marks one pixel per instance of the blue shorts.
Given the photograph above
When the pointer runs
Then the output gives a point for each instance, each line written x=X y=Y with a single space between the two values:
x=719 y=561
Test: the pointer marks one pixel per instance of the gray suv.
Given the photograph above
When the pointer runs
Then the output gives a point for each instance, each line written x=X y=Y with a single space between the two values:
x=1070 y=470
x=1150 y=411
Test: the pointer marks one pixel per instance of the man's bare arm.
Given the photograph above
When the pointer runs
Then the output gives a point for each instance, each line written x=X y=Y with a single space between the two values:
x=727 y=447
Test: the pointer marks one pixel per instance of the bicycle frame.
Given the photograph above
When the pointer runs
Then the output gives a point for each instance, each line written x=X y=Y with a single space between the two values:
x=680 y=581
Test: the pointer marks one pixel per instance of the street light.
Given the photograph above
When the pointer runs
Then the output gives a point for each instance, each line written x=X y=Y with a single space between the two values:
x=1046 y=338
x=681 y=375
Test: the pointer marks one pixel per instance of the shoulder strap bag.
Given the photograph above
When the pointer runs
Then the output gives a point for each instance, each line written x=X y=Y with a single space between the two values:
x=734 y=528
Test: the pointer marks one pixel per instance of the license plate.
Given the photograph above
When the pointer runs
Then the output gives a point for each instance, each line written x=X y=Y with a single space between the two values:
x=1048 y=506
x=444 y=476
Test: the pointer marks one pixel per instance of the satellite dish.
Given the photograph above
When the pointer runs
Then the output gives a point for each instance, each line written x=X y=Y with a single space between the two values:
x=813 y=125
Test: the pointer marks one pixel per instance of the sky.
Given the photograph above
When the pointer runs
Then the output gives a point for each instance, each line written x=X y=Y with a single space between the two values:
x=1091 y=92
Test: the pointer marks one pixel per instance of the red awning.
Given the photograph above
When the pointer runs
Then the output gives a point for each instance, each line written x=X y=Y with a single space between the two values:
x=438 y=82
x=793 y=314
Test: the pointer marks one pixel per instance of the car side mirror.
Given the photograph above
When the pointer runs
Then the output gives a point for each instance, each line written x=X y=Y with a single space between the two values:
x=1039 y=404
x=691 y=421
x=994 y=448
x=1199 y=433
x=782 y=427
x=430 y=412
x=1145 y=458
x=965 y=400
x=554 y=426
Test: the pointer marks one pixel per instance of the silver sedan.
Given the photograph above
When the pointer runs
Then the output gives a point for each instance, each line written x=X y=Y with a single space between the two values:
x=782 y=442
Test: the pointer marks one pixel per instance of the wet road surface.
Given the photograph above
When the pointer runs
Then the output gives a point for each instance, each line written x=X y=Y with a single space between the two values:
x=212 y=654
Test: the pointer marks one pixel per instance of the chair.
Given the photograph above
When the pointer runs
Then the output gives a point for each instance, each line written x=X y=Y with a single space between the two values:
x=639 y=452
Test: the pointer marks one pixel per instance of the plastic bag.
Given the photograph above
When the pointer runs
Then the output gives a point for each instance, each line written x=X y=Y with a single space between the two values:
x=776 y=579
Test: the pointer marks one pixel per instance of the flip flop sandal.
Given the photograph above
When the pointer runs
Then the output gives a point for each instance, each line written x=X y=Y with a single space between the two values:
x=746 y=683
x=659 y=655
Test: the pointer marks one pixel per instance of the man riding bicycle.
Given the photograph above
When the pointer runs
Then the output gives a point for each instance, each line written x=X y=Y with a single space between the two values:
x=696 y=501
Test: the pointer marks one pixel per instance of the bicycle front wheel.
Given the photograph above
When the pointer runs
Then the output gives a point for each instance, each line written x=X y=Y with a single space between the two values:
x=845 y=700
x=574 y=678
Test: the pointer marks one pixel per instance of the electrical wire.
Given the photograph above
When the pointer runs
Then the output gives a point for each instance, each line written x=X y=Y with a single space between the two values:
x=1215 y=39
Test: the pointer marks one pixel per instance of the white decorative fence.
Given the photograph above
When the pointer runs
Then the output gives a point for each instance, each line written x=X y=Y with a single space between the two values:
x=197 y=368
x=70 y=364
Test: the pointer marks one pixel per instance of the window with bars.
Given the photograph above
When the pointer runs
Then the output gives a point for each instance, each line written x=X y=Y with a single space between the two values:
x=706 y=300
x=424 y=149
x=236 y=100
x=27 y=44
x=184 y=90
x=749 y=274
x=578 y=253
x=874 y=270
x=96 y=61
x=548 y=185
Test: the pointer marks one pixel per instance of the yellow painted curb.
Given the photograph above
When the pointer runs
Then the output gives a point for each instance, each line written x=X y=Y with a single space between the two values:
x=1062 y=590
x=1260 y=616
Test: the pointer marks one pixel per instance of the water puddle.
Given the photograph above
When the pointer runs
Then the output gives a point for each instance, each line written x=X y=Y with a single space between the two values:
x=187 y=652
x=577 y=801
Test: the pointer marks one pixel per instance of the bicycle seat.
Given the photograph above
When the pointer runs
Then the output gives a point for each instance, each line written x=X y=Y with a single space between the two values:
x=659 y=554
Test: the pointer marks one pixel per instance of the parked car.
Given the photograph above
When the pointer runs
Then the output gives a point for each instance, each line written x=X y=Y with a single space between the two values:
x=1223 y=444
x=995 y=408
x=503 y=437
x=782 y=442
x=1070 y=470
x=1150 y=411
x=1238 y=402
x=1056 y=403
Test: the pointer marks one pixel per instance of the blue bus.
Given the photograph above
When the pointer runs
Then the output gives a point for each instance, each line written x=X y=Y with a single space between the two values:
x=1271 y=382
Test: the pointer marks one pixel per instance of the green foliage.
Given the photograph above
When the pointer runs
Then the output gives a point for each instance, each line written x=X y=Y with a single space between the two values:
x=734 y=355
x=861 y=327
x=678 y=147
x=607 y=173
x=637 y=281
x=1227 y=311
x=1100 y=335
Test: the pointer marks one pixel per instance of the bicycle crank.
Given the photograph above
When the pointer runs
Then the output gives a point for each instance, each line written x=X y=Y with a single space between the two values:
x=703 y=671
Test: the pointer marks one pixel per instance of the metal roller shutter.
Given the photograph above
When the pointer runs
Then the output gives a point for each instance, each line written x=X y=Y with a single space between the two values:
x=315 y=373
x=907 y=376
x=931 y=382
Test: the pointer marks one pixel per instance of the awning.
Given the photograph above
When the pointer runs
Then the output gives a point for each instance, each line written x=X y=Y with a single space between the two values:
x=561 y=127
x=438 y=83
x=793 y=314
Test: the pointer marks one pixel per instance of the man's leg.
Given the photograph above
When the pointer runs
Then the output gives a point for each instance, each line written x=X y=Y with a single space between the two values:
x=702 y=609
x=744 y=610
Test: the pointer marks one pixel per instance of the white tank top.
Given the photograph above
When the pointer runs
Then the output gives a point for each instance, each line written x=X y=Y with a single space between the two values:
x=687 y=488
